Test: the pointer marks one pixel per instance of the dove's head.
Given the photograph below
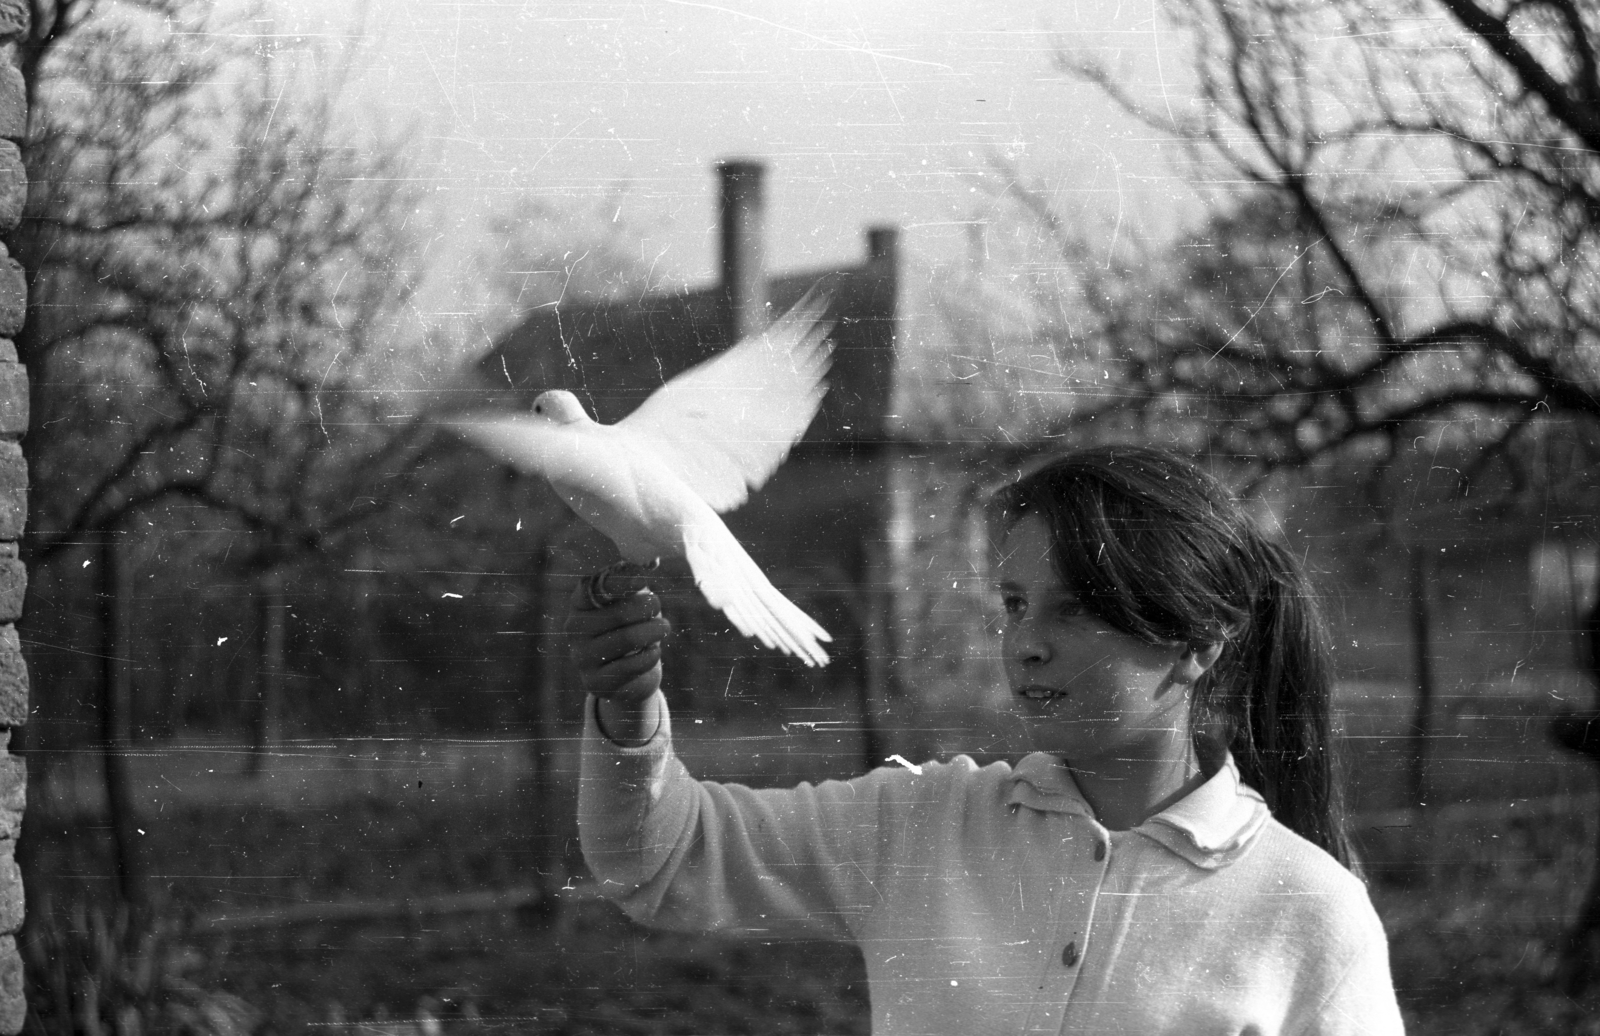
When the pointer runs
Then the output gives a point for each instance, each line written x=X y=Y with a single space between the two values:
x=559 y=406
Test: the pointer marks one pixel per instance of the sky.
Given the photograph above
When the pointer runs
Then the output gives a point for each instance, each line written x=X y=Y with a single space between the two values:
x=877 y=112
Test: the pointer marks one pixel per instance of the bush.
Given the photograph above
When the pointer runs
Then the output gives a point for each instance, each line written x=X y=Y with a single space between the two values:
x=89 y=974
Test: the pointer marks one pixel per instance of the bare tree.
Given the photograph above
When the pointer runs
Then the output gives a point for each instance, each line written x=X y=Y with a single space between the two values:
x=1399 y=264
x=217 y=280
x=536 y=252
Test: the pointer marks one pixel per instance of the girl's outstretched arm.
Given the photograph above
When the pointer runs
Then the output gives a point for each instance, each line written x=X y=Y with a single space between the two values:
x=702 y=856
x=699 y=855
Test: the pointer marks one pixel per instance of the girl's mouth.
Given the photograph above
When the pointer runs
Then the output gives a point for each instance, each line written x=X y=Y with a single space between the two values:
x=1038 y=692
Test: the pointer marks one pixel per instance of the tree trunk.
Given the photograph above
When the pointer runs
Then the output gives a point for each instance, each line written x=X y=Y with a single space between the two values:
x=116 y=711
x=1421 y=637
x=1590 y=634
x=268 y=722
x=1580 y=731
x=875 y=589
x=876 y=650
x=549 y=820
x=359 y=689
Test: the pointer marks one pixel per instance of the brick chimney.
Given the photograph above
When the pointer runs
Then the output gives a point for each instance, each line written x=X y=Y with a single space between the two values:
x=744 y=274
x=883 y=244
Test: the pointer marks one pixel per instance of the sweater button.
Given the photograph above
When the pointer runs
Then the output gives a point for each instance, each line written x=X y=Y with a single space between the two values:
x=1069 y=956
x=1099 y=851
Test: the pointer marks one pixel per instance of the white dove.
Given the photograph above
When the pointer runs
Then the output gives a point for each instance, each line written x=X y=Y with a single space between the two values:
x=655 y=481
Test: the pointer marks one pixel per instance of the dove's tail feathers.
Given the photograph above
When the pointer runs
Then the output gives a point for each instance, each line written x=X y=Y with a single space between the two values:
x=758 y=609
x=735 y=584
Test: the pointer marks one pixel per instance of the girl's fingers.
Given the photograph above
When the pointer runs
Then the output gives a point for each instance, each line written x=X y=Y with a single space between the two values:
x=630 y=677
x=616 y=647
x=640 y=687
x=608 y=586
x=613 y=584
x=583 y=621
x=623 y=640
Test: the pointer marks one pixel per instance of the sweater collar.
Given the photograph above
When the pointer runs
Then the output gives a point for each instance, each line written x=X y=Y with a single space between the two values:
x=1210 y=827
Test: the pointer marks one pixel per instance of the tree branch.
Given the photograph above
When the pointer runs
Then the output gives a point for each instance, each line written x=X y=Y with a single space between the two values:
x=1581 y=118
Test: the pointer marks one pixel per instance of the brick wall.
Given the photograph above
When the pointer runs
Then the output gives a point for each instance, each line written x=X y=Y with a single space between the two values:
x=13 y=508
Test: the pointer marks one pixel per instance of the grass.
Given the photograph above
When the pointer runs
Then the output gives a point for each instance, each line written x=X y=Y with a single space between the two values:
x=589 y=971
x=1473 y=938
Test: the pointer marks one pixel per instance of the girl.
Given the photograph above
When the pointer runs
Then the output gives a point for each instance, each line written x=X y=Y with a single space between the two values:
x=1165 y=858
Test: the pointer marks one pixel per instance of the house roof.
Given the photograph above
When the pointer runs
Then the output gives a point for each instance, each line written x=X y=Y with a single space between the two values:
x=613 y=354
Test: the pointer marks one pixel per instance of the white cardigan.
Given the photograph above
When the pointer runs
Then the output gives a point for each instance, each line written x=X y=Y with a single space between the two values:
x=989 y=900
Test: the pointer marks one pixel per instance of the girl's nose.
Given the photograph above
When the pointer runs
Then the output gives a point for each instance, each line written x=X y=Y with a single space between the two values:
x=1029 y=649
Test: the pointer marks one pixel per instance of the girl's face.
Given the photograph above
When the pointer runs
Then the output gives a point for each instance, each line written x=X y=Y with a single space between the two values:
x=1080 y=688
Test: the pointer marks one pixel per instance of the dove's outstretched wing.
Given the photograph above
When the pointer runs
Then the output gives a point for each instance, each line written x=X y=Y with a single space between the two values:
x=526 y=443
x=726 y=424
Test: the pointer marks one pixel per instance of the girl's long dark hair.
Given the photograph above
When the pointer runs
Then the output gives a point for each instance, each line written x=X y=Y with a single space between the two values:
x=1163 y=551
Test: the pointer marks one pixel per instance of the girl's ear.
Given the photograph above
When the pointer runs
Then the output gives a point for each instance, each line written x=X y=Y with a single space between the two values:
x=1195 y=662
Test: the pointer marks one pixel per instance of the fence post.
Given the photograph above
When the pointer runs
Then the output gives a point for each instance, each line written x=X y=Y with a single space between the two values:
x=1421 y=637
x=271 y=662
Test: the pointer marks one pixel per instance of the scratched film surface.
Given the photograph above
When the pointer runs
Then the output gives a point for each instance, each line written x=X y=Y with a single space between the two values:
x=303 y=739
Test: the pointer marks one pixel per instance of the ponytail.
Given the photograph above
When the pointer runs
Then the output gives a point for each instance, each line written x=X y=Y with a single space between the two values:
x=1274 y=710
x=1160 y=550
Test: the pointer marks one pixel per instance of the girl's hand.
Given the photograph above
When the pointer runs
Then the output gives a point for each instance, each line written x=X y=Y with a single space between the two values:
x=617 y=647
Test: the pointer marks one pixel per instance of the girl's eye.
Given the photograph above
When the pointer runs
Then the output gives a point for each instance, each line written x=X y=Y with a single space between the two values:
x=1015 y=604
x=1072 y=609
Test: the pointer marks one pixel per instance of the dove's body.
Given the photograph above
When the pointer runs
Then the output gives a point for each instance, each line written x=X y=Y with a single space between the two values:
x=655 y=481
x=615 y=483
